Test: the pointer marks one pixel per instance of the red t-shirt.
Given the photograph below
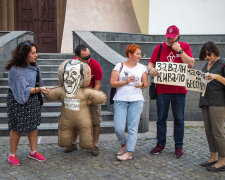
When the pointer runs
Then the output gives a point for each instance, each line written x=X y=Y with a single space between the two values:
x=169 y=55
x=96 y=71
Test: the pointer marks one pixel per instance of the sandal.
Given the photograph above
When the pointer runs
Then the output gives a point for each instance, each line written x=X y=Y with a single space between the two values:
x=122 y=150
x=124 y=157
x=205 y=164
x=214 y=169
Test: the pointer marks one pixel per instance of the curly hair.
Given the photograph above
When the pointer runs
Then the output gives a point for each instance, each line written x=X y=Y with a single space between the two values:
x=20 y=54
x=131 y=48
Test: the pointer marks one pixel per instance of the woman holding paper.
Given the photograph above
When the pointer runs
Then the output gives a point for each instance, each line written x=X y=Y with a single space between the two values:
x=212 y=103
x=129 y=78
x=24 y=110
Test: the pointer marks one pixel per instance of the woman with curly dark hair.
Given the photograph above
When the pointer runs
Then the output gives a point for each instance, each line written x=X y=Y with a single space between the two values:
x=24 y=106
x=212 y=102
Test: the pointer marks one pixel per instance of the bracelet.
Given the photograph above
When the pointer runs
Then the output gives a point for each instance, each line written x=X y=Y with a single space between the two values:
x=39 y=89
x=218 y=77
x=34 y=89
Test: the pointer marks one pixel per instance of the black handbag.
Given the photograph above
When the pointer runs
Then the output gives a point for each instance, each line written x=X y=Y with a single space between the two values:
x=37 y=85
x=152 y=87
x=152 y=91
x=113 y=90
x=112 y=94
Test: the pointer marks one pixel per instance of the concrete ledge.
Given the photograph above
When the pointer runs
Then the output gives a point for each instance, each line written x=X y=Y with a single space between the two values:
x=99 y=47
x=8 y=42
x=119 y=36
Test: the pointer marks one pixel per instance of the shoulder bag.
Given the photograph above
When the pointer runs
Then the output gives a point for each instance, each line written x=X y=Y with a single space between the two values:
x=113 y=90
x=37 y=85
x=152 y=87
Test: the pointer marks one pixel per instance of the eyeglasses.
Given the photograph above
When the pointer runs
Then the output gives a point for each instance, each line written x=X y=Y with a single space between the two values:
x=86 y=57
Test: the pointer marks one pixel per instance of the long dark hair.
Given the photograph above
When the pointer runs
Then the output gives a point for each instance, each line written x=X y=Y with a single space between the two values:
x=20 y=54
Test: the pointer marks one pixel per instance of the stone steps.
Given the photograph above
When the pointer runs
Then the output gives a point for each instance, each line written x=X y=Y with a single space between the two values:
x=4 y=89
x=50 y=61
x=49 y=64
x=44 y=74
x=47 y=81
x=55 y=55
x=52 y=116
x=51 y=129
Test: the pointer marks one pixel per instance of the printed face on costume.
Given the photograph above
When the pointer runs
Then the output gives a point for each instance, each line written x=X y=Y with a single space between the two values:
x=73 y=77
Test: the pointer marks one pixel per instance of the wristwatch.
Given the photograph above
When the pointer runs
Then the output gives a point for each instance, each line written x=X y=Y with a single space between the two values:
x=179 y=52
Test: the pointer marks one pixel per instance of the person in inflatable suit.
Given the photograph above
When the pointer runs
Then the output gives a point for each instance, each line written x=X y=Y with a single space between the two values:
x=74 y=78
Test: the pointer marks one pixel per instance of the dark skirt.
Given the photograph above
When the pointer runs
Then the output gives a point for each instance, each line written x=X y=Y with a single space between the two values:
x=26 y=117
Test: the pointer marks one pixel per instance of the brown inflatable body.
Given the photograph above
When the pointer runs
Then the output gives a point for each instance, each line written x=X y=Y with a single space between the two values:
x=75 y=111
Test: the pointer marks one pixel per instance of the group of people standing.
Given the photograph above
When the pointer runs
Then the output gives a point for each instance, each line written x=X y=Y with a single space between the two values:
x=129 y=77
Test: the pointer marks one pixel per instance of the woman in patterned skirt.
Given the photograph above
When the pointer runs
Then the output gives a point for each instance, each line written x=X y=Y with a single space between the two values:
x=24 y=108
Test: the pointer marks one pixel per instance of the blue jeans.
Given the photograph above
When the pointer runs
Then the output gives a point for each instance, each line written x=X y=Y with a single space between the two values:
x=129 y=112
x=178 y=104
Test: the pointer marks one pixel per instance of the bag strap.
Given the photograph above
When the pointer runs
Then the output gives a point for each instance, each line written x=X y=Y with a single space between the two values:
x=37 y=78
x=160 y=49
x=121 y=67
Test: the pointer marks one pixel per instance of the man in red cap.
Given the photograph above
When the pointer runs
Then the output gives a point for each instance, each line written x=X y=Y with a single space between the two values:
x=172 y=51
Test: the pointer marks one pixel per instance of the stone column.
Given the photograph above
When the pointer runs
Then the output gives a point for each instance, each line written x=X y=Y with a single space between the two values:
x=61 y=8
x=10 y=15
x=3 y=15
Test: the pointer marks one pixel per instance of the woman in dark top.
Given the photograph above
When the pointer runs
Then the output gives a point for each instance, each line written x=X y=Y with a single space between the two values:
x=24 y=110
x=212 y=102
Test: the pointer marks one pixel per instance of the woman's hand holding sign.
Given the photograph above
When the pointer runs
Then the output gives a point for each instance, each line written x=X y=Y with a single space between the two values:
x=210 y=76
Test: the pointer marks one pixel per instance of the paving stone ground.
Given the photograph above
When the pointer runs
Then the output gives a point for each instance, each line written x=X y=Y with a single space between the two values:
x=82 y=165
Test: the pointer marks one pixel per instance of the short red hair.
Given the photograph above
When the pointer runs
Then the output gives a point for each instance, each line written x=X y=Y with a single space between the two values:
x=131 y=48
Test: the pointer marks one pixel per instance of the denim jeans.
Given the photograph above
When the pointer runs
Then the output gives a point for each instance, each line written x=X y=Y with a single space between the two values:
x=129 y=112
x=178 y=104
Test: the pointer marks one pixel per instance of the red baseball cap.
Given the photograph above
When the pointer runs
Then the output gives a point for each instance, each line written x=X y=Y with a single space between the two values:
x=172 y=31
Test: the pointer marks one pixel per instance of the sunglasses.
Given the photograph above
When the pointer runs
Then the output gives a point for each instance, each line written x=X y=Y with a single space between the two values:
x=208 y=54
x=26 y=44
x=86 y=57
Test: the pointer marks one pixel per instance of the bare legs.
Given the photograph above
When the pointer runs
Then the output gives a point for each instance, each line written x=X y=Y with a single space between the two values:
x=15 y=137
x=32 y=136
x=14 y=141
x=213 y=157
x=96 y=131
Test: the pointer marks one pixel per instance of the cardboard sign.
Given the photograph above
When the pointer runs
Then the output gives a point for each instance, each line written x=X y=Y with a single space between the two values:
x=171 y=73
x=196 y=80
x=72 y=104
